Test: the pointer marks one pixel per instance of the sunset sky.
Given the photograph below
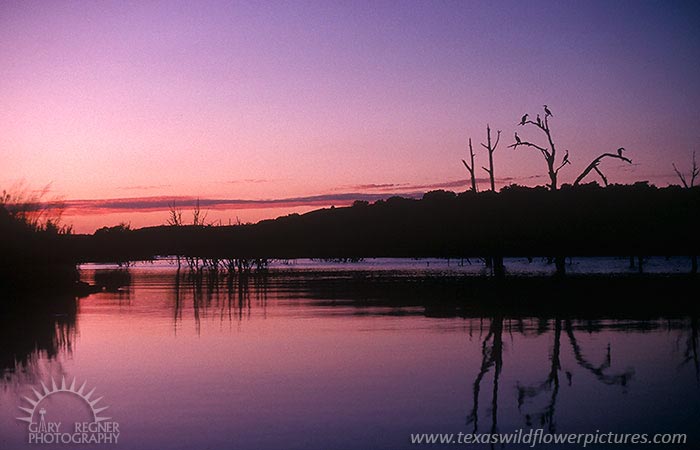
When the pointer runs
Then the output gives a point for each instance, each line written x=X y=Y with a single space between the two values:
x=309 y=104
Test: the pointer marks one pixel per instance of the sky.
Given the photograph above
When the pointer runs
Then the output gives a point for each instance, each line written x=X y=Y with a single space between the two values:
x=266 y=108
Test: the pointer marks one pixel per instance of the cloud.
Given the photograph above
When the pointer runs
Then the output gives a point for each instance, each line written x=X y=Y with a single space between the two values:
x=144 y=187
x=162 y=203
x=367 y=192
x=460 y=184
x=248 y=181
x=373 y=186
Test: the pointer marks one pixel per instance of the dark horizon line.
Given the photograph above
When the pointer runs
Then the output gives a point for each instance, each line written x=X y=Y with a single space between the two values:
x=146 y=204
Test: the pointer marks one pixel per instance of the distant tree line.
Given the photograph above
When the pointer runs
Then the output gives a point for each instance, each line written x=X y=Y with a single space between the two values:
x=591 y=220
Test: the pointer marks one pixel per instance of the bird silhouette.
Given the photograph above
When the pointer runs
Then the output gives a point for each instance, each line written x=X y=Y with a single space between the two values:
x=566 y=158
x=620 y=150
x=523 y=120
x=539 y=121
x=517 y=138
x=547 y=112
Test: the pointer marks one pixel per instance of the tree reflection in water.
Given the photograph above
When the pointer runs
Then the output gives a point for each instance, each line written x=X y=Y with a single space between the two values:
x=546 y=393
x=32 y=330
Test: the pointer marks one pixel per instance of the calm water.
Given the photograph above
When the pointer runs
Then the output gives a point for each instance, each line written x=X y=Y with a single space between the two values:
x=311 y=358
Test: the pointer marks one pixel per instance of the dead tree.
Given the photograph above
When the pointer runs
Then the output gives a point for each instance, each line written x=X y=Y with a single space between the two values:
x=593 y=166
x=496 y=262
x=549 y=153
x=198 y=217
x=693 y=174
x=175 y=220
x=470 y=168
x=490 y=148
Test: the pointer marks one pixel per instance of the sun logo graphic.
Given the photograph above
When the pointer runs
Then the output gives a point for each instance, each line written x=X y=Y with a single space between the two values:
x=67 y=400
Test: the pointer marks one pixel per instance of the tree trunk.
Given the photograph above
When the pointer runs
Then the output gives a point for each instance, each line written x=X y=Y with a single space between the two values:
x=491 y=176
x=499 y=270
x=473 y=169
x=553 y=180
x=560 y=263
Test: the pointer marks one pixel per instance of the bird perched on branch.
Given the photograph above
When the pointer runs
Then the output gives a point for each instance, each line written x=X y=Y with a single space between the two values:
x=547 y=112
x=566 y=158
x=620 y=150
x=517 y=139
x=523 y=120
x=539 y=121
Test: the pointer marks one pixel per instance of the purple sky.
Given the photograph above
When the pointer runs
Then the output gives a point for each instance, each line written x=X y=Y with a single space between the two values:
x=289 y=100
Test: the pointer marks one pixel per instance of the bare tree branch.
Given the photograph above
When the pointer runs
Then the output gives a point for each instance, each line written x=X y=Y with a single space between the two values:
x=563 y=163
x=491 y=148
x=694 y=172
x=538 y=125
x=175 y=217
x=498 y=138
x=550 y=153
x=543 y=150
x=594 y=166
x=605 y=180
x=680 y=175
x=471 y=168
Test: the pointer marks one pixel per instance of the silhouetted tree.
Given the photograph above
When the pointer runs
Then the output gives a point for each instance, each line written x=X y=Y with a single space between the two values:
x=550 y=156
x=490 y=149
x=594 y=166
x=549 y=153
x=470 y=167
x=196 y=264
x=495 y=262
x=32 y=209
x=693 y=174
x=175 y=220
x=198 y=217
x=123 y=227
x=694 y=171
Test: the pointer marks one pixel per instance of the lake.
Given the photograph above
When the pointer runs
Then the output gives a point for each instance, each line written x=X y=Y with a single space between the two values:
x=319 y=355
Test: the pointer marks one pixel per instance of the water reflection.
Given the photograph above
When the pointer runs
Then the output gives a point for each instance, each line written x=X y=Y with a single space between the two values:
x=113 y=280
x=549 y=388
x=492 y=357
x=340 y=353
x=34 y=330
x=229 y=295
x=690 y=354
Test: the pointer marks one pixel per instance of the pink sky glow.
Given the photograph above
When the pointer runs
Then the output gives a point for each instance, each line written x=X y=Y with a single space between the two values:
x=268 y=108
